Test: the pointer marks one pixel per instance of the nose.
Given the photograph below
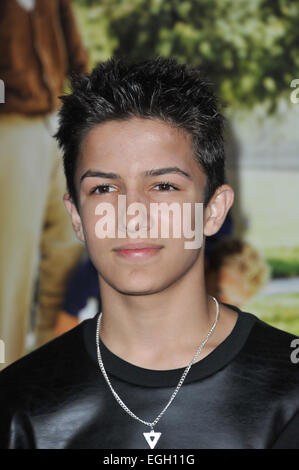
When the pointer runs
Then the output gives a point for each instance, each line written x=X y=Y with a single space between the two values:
x=134 y=214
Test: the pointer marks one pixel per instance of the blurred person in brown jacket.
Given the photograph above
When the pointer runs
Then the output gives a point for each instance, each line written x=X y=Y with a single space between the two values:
x=39 y=46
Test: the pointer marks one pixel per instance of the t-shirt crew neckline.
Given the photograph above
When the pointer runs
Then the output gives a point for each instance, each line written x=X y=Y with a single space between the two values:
x=134 y=374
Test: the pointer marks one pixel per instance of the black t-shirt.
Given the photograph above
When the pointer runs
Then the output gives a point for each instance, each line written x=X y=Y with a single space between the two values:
x=244 y=394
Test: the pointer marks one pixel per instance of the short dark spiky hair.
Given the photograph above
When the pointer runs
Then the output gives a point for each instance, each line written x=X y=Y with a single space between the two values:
x=159 y=89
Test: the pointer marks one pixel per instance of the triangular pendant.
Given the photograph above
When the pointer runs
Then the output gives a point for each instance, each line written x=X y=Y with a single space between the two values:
x=152 y=438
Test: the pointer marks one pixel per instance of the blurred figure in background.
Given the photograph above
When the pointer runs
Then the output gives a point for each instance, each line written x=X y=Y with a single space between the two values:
x=82 y=297
x=40 y=45
x=235 y=271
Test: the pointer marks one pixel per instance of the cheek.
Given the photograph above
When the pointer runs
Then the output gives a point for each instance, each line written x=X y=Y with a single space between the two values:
x=94 y=227
x=182 y=220
x=181 y=258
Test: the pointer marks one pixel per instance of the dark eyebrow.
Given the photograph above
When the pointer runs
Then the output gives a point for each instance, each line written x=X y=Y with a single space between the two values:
x=163 y=171
x=148 y=173
x=99 y=174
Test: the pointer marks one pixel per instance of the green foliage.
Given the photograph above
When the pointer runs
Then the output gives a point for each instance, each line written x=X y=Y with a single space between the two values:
x=249 y=49
x=280 y=310
x=282 y=268
x=283 y=261
x=93 y=25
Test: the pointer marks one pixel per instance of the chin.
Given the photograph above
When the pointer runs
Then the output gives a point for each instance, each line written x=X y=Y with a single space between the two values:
x=140 y=292
x=137 y=284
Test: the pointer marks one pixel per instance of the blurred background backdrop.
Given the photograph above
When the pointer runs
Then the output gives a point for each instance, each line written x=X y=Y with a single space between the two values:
x=250 y=52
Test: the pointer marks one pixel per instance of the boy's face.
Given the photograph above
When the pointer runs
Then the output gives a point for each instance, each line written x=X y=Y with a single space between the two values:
x=128 y=149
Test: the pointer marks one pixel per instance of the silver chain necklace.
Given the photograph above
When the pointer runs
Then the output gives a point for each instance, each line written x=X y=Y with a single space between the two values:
x=153 y=437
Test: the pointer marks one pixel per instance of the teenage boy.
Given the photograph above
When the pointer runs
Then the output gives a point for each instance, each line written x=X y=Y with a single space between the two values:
x=163 y=365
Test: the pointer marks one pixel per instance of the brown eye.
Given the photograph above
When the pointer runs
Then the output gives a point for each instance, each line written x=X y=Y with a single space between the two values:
x=103 y=188
x=166 y=187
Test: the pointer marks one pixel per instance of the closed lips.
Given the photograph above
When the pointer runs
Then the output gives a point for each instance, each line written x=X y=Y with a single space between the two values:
x=138 y=247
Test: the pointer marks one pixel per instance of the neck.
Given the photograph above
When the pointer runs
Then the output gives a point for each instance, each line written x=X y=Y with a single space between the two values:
x=160 y=330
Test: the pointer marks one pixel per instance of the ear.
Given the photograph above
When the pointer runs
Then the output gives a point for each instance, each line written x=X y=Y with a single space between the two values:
x=75 y=217
x=217 y=209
